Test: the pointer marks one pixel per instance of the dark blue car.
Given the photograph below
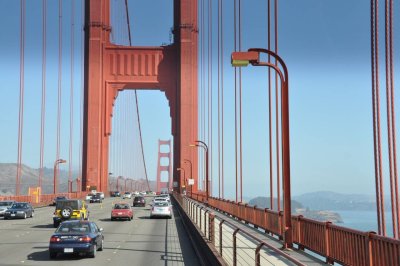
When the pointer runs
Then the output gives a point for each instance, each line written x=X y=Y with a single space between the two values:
x=76 y=237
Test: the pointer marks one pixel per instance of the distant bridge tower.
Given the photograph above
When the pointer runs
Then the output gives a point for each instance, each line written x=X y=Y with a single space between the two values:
x=164 y=168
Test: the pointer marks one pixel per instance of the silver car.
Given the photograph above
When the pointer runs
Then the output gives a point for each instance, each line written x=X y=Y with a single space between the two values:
x=161 y=209
x=5 y=205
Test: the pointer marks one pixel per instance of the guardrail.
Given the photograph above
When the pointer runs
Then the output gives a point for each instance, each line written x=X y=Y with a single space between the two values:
x=235 y=246
x=335 y=243
x=44 y=199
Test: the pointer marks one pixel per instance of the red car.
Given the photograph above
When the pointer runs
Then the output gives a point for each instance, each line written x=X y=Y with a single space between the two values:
x=121 y=211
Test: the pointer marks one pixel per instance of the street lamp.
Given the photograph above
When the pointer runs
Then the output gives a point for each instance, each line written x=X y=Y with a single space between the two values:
x=184 y=174
x=252 y=56
x=55 y=180
x=118 y=182
x=191 y=173
x=199 y=143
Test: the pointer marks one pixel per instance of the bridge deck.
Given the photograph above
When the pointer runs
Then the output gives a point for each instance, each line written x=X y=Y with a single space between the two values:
x=142 y=241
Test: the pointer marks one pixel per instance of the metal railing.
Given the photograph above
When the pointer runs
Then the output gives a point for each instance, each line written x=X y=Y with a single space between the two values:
x=335 y=243
x=44 y=199
x=234 y=245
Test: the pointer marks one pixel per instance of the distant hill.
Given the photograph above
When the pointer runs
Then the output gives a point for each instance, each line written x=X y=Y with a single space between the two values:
x=264 y=202
x=327 y=200
x=30 y=178
x=298 y=209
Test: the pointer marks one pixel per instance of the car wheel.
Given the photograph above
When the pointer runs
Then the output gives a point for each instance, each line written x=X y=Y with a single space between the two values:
x=25 y=215
x=5 y=218
x=53 y=255
x=101 y=247
x=129 y=218
x=32 y=214
x=93 y=254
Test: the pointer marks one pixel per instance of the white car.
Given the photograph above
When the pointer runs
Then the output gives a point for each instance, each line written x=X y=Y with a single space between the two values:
x=161 y=209
x=89 y=196
x=127 y=195
x=101 y=195
x=158 y=199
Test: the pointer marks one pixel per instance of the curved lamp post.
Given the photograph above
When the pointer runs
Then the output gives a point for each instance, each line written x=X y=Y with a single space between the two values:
x=191 y=173
x=252 y=56
x=199 y=143
x=55 y=178
x=184 y=174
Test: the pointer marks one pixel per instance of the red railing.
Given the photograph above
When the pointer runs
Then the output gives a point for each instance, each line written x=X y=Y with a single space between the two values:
x=45 y=199
x=335 y=243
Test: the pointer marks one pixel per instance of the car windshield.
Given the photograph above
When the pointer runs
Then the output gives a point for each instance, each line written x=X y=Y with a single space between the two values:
x=138 y=198
x=62 y=204
x=160 y=199
x=121 y=206
x=6 y=203
x=73 y=228
x=19 y=205
x=161 y=204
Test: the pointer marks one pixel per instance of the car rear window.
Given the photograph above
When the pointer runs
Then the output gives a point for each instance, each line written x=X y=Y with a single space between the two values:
x=62 y=204
x=161 y=204
x=121 y=206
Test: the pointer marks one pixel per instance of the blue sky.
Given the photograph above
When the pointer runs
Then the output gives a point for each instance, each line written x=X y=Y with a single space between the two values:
x=325 y=44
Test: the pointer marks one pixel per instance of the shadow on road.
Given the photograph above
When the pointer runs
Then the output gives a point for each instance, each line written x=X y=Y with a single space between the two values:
x=44 y=256
x=43 y=226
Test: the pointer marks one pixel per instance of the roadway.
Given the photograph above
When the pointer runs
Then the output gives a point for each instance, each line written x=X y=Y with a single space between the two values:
x=142 y=241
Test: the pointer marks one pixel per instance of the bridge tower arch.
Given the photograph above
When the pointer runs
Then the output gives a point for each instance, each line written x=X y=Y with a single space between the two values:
x=111 y=68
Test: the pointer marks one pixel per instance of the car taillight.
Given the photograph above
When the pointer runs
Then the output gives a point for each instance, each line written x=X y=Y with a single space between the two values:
x=54 y=239
x=85 y=239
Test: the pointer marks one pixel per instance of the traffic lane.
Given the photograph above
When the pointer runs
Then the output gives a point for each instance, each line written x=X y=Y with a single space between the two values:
x=125 y=241
x=20 y=237
x=148 y=241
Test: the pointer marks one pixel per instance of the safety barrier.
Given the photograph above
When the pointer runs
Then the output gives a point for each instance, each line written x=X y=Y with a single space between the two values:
x=44 y=199
x=235 y=246
x=335 y=243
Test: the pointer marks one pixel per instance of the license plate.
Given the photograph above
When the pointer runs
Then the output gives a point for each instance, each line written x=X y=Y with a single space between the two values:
x=68 y=250
x=12 y=214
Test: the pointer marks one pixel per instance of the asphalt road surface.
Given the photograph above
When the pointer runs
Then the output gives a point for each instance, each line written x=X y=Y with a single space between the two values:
x=142 y=241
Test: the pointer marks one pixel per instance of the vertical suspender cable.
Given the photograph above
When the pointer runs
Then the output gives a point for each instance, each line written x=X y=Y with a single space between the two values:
x=219 y=99
x=205 y=111
x=137 y=104
x=391 y=68
x=374 y=116
x=210 y=99
x=390 y=115
x=236 y=133
x=240 y=106
x=222 y=98
x=21 y=98
x=378 y=115
x=71 y=101
x=59 y=80
x=388 y=108
x=82 y=96
x=271 y=183
x=43 y=104
x=277 y=111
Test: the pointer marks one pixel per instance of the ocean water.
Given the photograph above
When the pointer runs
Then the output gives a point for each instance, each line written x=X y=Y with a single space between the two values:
x=364 y=220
